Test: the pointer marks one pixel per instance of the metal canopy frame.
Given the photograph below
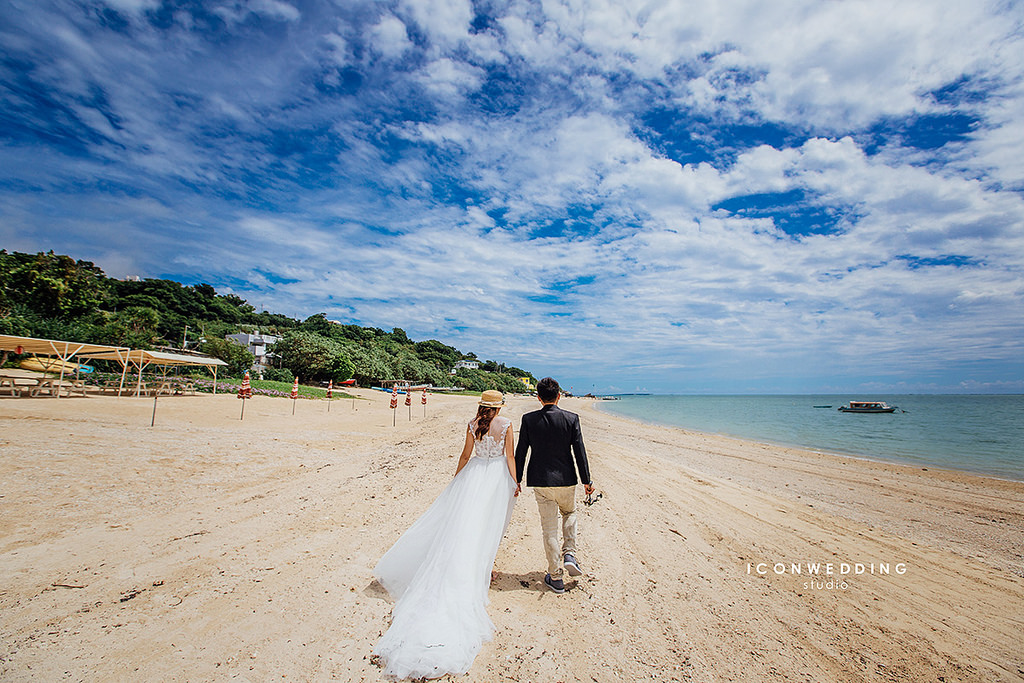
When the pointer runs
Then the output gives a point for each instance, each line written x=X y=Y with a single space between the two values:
x=142 y=359
x=63 y=350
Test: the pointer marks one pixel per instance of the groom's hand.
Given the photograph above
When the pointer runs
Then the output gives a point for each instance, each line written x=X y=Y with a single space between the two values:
x=519 y=487
x=588 y=489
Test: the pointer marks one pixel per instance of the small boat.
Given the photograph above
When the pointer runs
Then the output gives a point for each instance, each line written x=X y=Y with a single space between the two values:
x=54 y=365
x=867 y=407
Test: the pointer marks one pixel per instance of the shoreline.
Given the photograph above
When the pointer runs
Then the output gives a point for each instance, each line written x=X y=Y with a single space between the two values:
x=211 y=548
x=866 y=478
x=838 y=453
x=852 y=480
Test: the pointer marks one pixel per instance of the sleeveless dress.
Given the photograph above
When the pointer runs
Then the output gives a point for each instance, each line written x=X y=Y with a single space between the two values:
x=439 y=571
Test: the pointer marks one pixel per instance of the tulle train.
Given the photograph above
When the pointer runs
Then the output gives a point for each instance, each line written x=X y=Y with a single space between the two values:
x=439 y=574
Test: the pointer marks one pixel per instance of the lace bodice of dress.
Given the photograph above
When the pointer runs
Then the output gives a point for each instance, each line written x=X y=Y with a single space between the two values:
x=493 y=443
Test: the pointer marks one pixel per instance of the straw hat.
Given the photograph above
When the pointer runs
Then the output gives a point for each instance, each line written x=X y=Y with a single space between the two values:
x=492 y=399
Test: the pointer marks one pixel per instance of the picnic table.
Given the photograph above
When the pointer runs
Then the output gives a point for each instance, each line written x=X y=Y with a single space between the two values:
x=17 y=382
x=173 y=387
x=158 y=387
x=12 y=384
x=183 y=388
x=113 y=386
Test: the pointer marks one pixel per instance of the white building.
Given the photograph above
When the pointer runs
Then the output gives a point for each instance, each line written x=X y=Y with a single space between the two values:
x=468 y=364
x=257 y=345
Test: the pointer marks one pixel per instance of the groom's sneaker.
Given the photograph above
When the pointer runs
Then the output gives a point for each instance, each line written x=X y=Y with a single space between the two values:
x=554 y=584
x=572 y=566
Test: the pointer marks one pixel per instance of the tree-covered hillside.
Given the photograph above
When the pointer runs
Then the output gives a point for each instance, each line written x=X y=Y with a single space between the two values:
x=56 y=297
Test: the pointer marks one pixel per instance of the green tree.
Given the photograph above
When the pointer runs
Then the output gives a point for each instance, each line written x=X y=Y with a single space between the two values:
x=442 y=356
x=279 y=375
x=26 y=323
x=480 y=380
x=15 y=320
x=205 y=292
x=51 y=285
x=400 y=337
x=313 y=357
x=135 y=327
x=55 y=296
x=519 y=372
x=417 y=370
x=371 y=363
x=317 y=323
x=273 y=323
x=234 y=354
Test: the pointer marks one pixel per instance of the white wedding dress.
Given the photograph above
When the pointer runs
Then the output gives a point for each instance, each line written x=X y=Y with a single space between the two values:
x=439 y=571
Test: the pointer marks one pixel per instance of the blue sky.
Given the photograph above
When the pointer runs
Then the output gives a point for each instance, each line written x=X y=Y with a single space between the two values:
x=681 y=197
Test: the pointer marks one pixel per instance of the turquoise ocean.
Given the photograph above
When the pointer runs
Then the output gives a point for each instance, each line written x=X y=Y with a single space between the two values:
x=982 y=434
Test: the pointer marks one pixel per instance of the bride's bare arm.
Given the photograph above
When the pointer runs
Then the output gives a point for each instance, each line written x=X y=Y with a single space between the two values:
x=467 y=451
x=510 y=456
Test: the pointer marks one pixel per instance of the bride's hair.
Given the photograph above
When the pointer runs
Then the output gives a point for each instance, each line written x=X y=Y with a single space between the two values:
x=484 y=415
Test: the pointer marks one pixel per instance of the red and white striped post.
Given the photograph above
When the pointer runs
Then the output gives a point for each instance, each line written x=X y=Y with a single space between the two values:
x=394 y=405
x=424 y=401
x=408 y=401
x=244 y=392
x=295 y=394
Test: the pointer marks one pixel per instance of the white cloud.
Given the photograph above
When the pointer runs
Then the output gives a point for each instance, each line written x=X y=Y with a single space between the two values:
x=446 y=22
x=236 y=11
x=543 y=46
x=133 y=6
x=390 y=38
x=276 y=9
x=835 y=65
x=337 y=49
x=995 y=147
x=452 y=219
x=447 y=78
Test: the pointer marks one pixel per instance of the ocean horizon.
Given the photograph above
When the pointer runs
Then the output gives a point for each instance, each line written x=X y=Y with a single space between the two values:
x=974 y=433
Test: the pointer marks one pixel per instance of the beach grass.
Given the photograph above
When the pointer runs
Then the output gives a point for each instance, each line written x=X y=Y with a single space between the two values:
x=266 y=387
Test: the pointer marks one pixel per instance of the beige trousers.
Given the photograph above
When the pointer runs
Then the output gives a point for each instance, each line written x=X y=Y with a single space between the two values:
x=552 y=502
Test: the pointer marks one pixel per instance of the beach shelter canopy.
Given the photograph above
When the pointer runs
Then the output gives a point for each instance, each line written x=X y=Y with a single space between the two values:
x=52 y=347
x=64 y=350
x=141 y=357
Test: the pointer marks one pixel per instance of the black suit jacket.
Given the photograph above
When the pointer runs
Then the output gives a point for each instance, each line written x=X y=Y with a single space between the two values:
x=551 y=433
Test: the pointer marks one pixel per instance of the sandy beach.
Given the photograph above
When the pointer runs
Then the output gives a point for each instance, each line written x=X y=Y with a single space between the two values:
x=209 y=548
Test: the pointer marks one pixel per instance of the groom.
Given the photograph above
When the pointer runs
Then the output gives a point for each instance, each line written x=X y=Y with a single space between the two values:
x=552 y=433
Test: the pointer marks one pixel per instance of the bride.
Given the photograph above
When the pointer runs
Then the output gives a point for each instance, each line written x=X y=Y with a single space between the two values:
x=439 y=571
